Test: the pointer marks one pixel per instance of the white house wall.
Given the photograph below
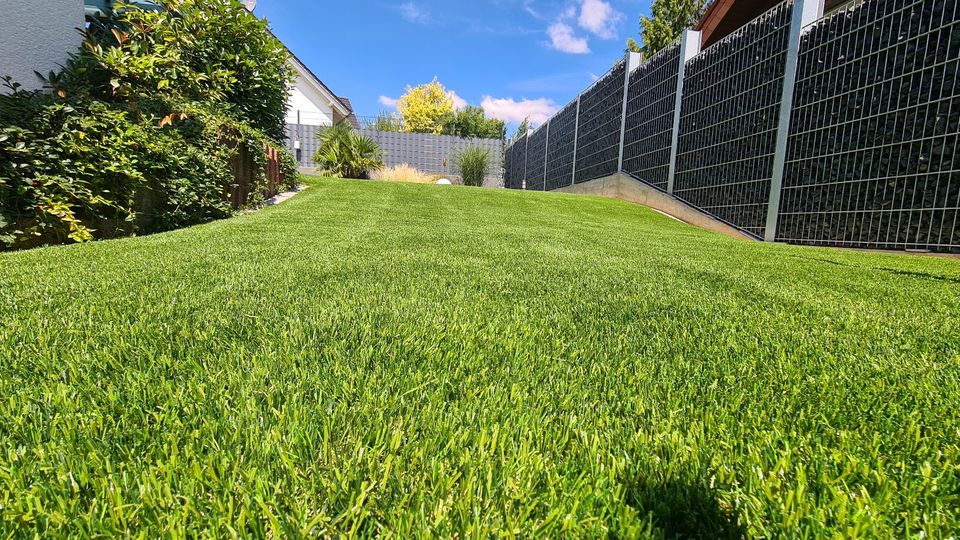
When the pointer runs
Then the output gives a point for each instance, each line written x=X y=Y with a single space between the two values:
x=38 y=36
x=314 y=109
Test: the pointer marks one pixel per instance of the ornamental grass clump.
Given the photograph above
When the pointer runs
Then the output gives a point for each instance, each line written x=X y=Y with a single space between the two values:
x=472 y=164
x=402 y=173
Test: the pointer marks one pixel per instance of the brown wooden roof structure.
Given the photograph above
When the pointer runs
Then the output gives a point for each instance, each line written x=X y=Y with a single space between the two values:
x=724 y=17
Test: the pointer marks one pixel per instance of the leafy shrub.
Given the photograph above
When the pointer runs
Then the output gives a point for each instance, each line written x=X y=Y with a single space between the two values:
x=402 y=173
x=139 y=133
x=344 y=153
x=472 y=164
x=76 y=171
x=290 y=169
x=388 y=122
x=197 y=50
x=64 y=167
x=472 y=122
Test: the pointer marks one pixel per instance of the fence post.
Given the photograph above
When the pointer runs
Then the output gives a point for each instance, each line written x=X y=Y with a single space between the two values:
x=546 y=151
x=689 y=47
x=631 y=61
x=526 y=147
x=804 y=12
x=297 y=144
x=576 y=134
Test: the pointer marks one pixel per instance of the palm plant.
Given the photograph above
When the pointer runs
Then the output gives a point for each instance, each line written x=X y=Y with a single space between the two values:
x=345 y=153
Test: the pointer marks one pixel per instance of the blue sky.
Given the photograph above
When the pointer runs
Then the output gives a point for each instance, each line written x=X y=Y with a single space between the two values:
x=515 y=58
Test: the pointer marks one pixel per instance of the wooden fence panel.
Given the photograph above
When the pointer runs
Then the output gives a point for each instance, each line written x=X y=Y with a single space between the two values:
x=242 y=167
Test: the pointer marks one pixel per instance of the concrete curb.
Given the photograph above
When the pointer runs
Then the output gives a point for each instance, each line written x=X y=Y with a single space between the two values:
x=621 y=186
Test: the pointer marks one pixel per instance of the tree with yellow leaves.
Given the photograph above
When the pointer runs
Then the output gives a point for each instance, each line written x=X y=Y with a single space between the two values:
x=425 y=108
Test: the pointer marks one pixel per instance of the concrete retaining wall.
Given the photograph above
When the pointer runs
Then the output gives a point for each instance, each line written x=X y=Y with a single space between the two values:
x=621 y=186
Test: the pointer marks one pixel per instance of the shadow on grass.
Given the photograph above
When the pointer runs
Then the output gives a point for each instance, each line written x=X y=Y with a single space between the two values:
x=681 y=509
x=894 y=271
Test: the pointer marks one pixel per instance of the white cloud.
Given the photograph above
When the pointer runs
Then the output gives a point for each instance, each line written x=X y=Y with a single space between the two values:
x=596 y=17
x=458 y=102
x=599 y=18
x=528 y=7
x=411 y=12
x=388 y=102
x=563 y=39
x=510 y=110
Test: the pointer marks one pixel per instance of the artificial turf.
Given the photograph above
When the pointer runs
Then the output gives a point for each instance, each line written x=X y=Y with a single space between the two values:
x=406 y=360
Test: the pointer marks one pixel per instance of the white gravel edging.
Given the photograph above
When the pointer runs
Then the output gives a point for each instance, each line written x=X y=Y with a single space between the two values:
x=277 y=199
x=281 y=197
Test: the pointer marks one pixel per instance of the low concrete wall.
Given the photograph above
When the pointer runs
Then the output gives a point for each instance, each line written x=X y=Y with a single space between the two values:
x=621 y=186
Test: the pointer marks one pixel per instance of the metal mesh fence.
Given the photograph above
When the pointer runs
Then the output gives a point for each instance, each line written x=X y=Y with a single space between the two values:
x=872 y=159
x=560 y=148
x=507 y=166
x=536 y=155
x=728 y=125
x=651 y=101
x=598 y=139
x=515 y=168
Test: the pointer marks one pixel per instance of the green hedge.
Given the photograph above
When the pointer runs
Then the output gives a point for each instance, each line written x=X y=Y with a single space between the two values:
x=137 y=133
x=78 y=171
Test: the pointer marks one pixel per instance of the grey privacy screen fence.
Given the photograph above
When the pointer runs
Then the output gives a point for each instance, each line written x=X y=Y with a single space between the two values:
x=839 y=130
x=303 y=142
x=428 y=153
x=433 y=154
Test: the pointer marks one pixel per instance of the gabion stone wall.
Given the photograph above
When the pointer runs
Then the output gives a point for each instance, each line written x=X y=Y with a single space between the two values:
x=515 y=167
x=651 y=101
x=536 y=154
x=728 y=125
x=872 y=155
x=507 y=164
x=598 y=139
x=560 y=148
x=873 y=159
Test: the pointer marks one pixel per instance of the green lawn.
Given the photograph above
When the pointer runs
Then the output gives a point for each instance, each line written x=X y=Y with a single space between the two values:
x=407 y=360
